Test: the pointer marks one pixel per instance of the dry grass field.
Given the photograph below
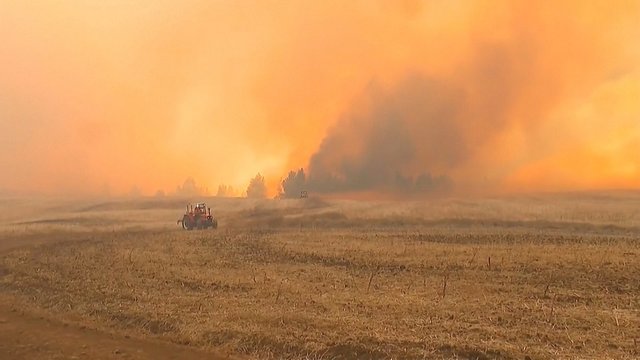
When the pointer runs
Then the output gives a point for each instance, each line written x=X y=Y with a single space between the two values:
x=539 y=277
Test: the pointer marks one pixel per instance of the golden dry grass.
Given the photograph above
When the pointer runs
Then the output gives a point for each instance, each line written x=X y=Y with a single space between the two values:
x=544 y=277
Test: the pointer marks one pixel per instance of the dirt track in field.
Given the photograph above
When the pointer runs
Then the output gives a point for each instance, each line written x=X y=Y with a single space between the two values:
x=28 y=336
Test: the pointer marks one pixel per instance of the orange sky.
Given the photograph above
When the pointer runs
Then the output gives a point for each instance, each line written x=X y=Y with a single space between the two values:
x=99 y=95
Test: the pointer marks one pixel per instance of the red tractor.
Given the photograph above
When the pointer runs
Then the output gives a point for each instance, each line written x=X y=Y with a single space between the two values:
x=198 y=218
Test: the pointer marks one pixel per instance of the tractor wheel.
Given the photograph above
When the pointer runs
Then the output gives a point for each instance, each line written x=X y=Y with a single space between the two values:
x=186 y=223
x=214 y=224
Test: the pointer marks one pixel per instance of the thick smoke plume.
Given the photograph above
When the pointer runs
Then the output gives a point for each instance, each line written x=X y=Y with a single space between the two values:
x=396 y=143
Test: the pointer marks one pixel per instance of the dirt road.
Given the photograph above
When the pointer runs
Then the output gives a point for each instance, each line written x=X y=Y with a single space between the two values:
x=23 y=336
x=27 y=336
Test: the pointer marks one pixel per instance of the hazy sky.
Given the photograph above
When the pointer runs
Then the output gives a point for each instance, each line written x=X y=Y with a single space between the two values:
x=514 y=95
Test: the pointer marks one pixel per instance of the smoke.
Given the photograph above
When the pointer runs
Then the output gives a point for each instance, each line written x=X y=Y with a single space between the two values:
x=479 y=126
x=395 y=143
x=376 y=96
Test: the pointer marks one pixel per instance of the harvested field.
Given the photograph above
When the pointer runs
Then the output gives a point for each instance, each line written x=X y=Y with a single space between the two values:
x=541 y=277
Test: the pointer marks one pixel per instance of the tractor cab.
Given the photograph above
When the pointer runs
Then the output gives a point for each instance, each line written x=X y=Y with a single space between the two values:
x=200 y=208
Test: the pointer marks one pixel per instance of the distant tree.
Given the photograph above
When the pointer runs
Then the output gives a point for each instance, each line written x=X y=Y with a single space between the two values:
x=293 y=185
x=160 y=193
x=190 y=188
x=257 y=188
x=225 y=191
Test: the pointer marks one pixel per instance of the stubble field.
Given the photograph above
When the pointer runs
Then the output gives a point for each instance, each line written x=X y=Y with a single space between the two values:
x=545 y=277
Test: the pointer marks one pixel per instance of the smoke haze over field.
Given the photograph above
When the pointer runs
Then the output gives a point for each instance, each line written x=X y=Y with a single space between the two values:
x=375 y=96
